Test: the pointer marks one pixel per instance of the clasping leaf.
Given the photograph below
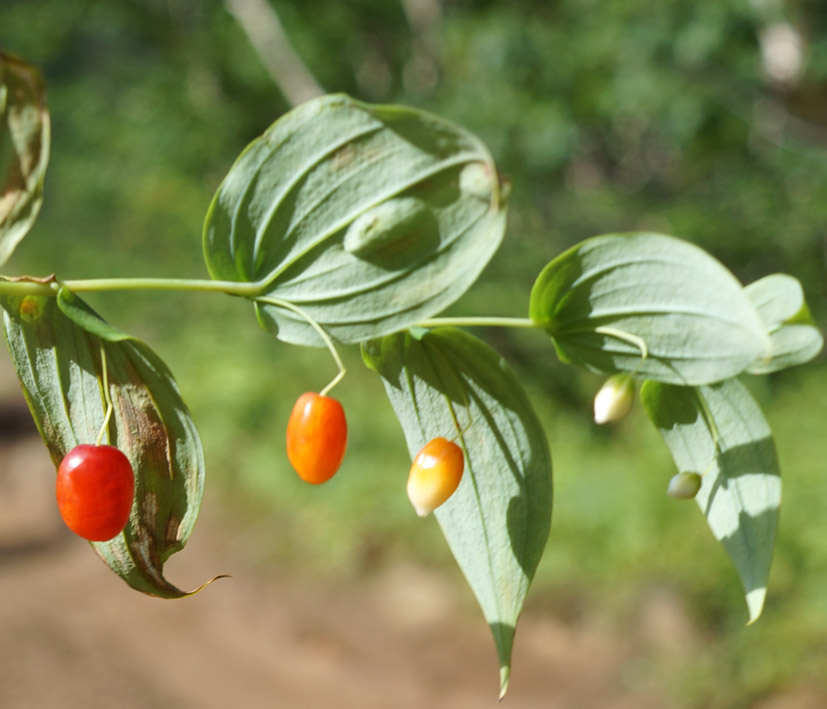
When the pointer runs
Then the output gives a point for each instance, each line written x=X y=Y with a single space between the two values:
x=446 y=383
x=368 y=218
x=720 y=433
x=794 y=337
x=651 y=305
x=59 y=348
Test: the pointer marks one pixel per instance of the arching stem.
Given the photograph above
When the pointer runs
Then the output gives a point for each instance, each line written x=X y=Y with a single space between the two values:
x=278 y=302
x=629 y=338
x=461 y=430
x=106 y=397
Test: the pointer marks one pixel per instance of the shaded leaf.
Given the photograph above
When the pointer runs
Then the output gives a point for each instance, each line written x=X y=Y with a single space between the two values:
x=444 y=381
x=794 y=338
x=24 y=149
x=369 y=218
x=611 y=299
x=56 y=346
x=720 y=433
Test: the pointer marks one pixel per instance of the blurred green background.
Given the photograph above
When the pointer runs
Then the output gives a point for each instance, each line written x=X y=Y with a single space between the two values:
x=706 y=119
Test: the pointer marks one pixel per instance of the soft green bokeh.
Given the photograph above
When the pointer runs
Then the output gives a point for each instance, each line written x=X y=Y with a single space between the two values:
x=607 y=117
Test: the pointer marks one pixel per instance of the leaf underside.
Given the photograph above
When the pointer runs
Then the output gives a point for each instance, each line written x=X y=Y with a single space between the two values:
x=720 y=432
x=444 y=382
x=652 y=305
x=57 y=347
x=368 y=218
x=794 y=338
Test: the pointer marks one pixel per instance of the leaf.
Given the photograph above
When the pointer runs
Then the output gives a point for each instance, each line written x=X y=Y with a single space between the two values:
x=56 y=346
x=24 y=149
x=612 y=299
x=368 y=218
x=719 y=432
x=794 y=338
x=444 y=381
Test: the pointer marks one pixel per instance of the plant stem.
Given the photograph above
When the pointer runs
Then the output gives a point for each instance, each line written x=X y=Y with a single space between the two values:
x=107 y=398
x=479 y=322
x=627 y=337
x=182 y=284
x=27 y=288
x=321 y=333
x=34 y=287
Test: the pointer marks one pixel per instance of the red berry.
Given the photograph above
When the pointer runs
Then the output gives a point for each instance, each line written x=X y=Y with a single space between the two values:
x=95 y=487
x=316 y=437
x=435 y=475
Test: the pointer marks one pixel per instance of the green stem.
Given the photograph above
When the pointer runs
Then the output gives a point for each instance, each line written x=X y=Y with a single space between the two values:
x=479 y=322
x=708 y=418
x=239 y=288
x=27 y=288
x=319 y=330
x=33 y=287
x=107 y=398
x=180 y=284
x=628 y=337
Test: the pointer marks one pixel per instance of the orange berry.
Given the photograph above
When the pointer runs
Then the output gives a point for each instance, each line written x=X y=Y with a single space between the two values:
x=435 y=475
x=95 y=486
x=316 y=437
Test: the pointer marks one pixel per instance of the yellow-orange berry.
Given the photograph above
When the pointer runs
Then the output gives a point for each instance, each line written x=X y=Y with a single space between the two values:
x=316 y=437
x=435 y=475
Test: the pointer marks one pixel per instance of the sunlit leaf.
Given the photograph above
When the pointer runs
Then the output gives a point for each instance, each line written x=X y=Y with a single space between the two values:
x=24 y=149
x=720 y=433
x=446 y=383
x=58 y=346
x=779 y=300
x=369 y=218
x=649 y=304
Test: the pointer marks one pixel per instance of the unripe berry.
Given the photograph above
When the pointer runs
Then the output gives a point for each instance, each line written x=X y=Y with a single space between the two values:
x=95 y=487
x=435 y=475
x=684 y=486
x=316 y=437
x=614 y=400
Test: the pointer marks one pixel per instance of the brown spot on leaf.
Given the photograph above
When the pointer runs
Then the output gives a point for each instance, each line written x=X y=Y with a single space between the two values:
x=343 y=157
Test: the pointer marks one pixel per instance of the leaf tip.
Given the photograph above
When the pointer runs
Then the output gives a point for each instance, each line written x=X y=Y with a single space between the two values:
x=505 y=678
x=755 y=603
x=204 y=585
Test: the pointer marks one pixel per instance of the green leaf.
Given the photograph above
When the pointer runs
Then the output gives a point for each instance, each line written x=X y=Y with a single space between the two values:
x=794 y=338
x=368 y=218
x=56 y=346
x=612 y=299
x=444 y=381
x=24 y=149
x=720 y=433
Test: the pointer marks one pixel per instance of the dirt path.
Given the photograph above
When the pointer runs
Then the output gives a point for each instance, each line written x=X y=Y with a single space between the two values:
x=73 y=635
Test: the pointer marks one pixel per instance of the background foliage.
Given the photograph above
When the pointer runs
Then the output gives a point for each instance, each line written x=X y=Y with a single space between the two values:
x=691 y=117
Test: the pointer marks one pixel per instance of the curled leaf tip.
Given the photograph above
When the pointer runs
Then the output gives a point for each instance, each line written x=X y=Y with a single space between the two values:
x=505 y=679
x=207 y=583
x=755 y=603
